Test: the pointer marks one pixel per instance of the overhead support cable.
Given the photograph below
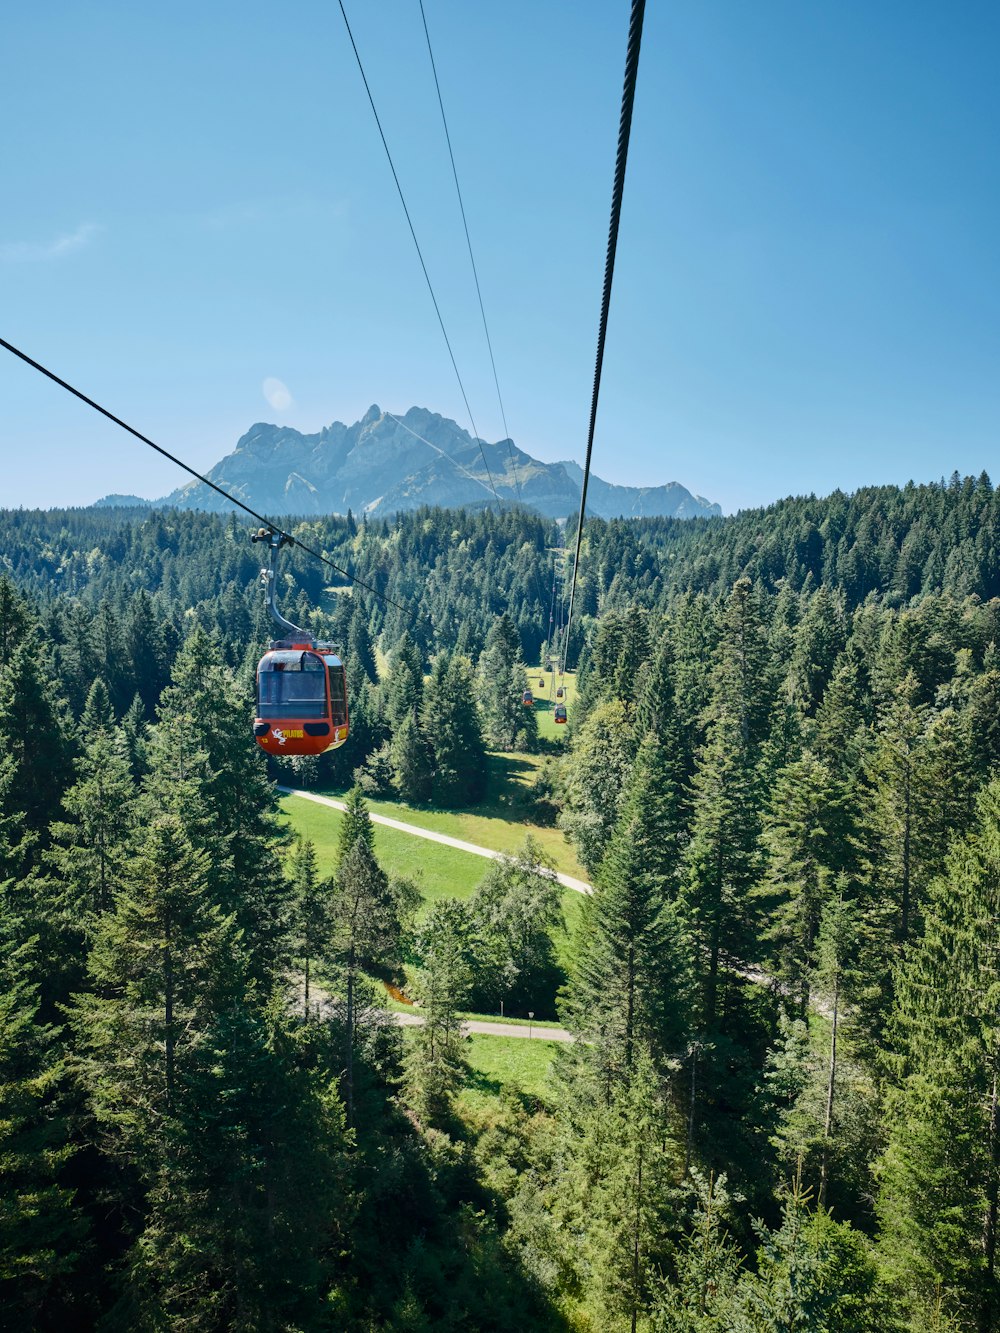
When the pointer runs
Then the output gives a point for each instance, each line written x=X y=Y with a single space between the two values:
x=539 y=591
x=438 y=450
x=420 y=253
x=261 y=518
x=621 y=161
x=472 y=258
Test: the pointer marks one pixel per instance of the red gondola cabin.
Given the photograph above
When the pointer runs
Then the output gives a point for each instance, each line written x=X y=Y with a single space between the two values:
x=560 y=714
x=528 y=699
x=301 y=699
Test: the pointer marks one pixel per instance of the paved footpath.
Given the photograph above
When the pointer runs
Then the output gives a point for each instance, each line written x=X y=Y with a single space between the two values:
x=492 y=1029
x=568 y=881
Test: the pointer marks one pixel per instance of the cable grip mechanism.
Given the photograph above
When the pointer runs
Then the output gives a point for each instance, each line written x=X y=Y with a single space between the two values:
x=275 y=540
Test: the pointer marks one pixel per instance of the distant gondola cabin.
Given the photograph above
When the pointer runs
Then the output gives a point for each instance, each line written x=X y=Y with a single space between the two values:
x=301 y=700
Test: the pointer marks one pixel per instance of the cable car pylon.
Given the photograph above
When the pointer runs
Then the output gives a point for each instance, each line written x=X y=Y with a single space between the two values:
x=301 y=682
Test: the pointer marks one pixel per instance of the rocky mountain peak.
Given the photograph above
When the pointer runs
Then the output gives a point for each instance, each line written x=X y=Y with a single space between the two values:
x=386 y=463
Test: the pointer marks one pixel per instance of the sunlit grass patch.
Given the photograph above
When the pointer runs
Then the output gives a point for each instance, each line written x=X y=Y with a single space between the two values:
x=439 y=871
x=514 y=1062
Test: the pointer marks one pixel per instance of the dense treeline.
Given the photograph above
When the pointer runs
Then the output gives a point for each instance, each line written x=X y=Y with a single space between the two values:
x=897 y=542
x=782 y=777
x=786 y=972
x=455 y=571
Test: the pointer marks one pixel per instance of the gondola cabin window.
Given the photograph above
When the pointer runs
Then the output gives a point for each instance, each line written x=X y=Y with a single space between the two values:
x=293 y=684
x=338 y=691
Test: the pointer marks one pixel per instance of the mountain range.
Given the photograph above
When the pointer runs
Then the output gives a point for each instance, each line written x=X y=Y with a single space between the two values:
x=384 y=463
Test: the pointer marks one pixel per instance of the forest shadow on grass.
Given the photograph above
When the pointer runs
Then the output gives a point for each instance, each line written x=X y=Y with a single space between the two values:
x=496 y=1089
x=426 y=1237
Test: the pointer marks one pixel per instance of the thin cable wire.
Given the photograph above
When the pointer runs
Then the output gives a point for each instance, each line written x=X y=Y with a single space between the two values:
x=261 y=518
x=454 y=461
x=624 y=129
x=420 y=254
x=475 y=273
x=472 y=258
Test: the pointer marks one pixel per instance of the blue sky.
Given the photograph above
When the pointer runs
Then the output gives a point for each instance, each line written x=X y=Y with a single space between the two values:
x=195 y=202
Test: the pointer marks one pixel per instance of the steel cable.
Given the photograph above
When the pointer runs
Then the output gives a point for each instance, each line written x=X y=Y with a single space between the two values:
x=261 y=518
x=621 y=161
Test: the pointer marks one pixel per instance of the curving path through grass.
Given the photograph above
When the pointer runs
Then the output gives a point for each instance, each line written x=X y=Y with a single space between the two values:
x=445 y=839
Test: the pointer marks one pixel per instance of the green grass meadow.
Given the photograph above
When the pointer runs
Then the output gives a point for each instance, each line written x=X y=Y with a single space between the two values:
x=504 y=818
x=496 y=1062
x=438 y=871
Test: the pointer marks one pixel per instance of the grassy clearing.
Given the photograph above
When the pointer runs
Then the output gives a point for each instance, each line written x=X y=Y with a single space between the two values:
x=443 y=872
x=545 y=703
x=498 y=1061
x=504 y=818
x=439 y=872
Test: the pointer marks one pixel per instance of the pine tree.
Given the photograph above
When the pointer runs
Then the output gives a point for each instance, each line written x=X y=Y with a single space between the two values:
x=707 y=1263
x=91 y=849
x=615 y=1187
x=451 y=723
x=205 y=767
x=499 y=686
x=899 y=807
x=312 y=913
x=843 y=716
x=657 y=710
x=16 y=619
x=812 y=1273
x=36 y=733
x=743 y=676
x=602 y=757
x=359 y=645
x=632 y=980
x=940 y=1176
x=365 y=939
x=15 y=845
x=112 y=660
x=152 y=962
x=41 y=1229
x=412 y=762
x=253 y=1197
x=808 y=840
x=356 y=825
x=820 y=638
x=721 y=861
x=146 y=649
x=406 y=683
x=135 y=732
x=434 y=1064
x=835 y=948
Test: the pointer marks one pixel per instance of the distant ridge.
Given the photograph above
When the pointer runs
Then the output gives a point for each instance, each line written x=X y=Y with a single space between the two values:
x=123 y=502
x=383 y=465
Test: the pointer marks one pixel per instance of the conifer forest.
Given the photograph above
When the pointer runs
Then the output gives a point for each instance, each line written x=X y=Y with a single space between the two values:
x=778 y=1106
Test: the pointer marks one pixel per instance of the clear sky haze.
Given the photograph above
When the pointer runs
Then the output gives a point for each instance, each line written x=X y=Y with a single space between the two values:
x=199 y=228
